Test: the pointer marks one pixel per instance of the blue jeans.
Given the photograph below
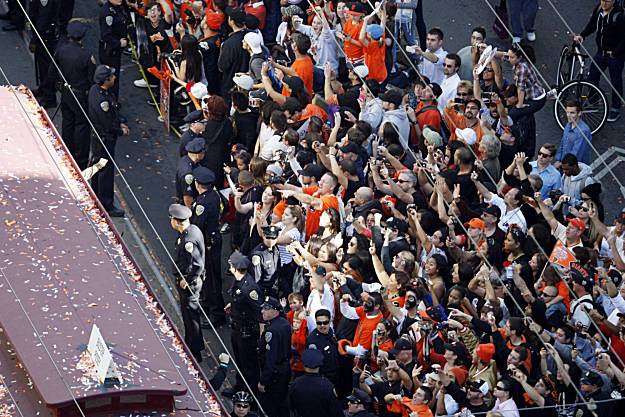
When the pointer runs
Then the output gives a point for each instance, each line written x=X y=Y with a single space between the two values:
x=404 y=26
x=615 y=68
x=525 y=8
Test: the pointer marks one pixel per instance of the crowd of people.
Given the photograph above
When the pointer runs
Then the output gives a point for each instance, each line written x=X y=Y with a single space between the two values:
x=401 y=242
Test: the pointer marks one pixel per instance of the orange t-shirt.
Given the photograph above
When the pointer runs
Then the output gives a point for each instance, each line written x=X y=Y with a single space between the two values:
x=304 y=69
x=365 y=328
x=279 y=208
x=298 y=342
x=430 y=117
x=406 y=407
x=312 y=215
x=456 y=120
x=375 y=55
x=353 y=52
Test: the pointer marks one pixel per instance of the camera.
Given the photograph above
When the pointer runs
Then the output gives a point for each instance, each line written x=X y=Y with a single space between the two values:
x=555 y=195
x=190 y=17
x=274 y=179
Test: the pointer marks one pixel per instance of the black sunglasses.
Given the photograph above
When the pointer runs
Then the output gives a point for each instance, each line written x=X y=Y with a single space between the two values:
x=323 y=323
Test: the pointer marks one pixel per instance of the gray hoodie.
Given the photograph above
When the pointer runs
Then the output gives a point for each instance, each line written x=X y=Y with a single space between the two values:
x=399 y=118
x=572 y=186
x=372 y=113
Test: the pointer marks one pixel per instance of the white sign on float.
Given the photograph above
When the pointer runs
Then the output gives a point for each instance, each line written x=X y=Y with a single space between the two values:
x=101 y=357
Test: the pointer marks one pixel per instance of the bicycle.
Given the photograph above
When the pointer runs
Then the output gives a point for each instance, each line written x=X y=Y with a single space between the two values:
x=571 y=84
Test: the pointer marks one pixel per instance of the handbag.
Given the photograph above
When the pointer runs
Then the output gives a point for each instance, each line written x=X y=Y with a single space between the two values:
x=500 y=25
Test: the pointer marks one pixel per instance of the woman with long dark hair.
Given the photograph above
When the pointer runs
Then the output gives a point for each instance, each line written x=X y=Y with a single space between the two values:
x=217 y=134
x=190 y=67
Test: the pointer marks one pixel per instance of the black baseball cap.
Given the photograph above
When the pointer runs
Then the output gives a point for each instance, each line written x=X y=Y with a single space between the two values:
x=350 y=147
x=401 y=344
x=311 y=170
x=493 y=211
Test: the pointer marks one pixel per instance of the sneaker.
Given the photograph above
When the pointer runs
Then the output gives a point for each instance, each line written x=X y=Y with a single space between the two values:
x=614 y=115
x=531 y=36
x=141 y=83
x=516 y=39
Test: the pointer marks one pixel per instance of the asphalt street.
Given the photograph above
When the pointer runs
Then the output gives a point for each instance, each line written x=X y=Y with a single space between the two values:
x=148 y=156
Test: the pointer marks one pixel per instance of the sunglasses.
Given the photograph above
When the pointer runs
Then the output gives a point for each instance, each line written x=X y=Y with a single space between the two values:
x=488 y=70
x=462 y=94
x=544 y=155
x=449 y=66
x=239 y=405
x=323 y=323
x=402 y=181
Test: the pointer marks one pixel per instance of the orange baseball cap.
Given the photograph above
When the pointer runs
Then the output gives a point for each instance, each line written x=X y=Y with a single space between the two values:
x=476 y=223
x=579 y=223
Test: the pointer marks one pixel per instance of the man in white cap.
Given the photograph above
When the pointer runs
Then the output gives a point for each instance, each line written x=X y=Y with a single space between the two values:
x=252 y=44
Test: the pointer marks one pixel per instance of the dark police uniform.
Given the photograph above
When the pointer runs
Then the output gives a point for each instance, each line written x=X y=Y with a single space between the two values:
x=245 y=314
x=599 y=395
x=113 y=28
x=45 y=17
x=189 y=135
x=275 y=370
x=207 y=209
x=184 y=172
x=328 y=345
x=104 y=113
x=313 y=395
x=78 y=66
x=189 y=259
x=266 y=268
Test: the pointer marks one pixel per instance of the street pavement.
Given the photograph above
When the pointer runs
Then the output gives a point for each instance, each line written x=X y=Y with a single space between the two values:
x=148 y=156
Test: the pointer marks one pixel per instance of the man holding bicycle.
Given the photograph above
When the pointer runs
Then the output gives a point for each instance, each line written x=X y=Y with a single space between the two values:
x=608 y=20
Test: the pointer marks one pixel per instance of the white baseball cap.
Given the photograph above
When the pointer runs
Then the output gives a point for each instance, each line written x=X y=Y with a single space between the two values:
x=362 y=71
x=244 y=81
x=199 y=90
x=467 y=135
x=254 y=41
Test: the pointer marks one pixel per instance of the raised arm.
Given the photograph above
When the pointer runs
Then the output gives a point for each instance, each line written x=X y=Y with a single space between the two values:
x=546 y=212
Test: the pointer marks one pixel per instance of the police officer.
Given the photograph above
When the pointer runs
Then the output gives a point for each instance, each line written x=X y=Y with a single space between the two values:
x=197 y=124
x=113 y=35
x=592 y=387
x=104 y=114
x=77 y=66
x=312 y=395
x=266 y=261
x=189 y=273
x=185 y=191
x=275 y=353
x=45 y=18
x=207 y=209
x=324 y=340
x=245 y=313
x=358 y=404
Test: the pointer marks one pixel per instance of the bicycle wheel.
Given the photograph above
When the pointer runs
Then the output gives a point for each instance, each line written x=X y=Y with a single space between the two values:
x=566 y=67
x=593 y=101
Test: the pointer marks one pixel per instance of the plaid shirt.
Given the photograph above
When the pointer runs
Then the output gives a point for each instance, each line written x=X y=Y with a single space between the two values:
x=525 y=79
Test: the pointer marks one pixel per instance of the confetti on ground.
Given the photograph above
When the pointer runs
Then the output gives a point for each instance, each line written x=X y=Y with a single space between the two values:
x=64 y=262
